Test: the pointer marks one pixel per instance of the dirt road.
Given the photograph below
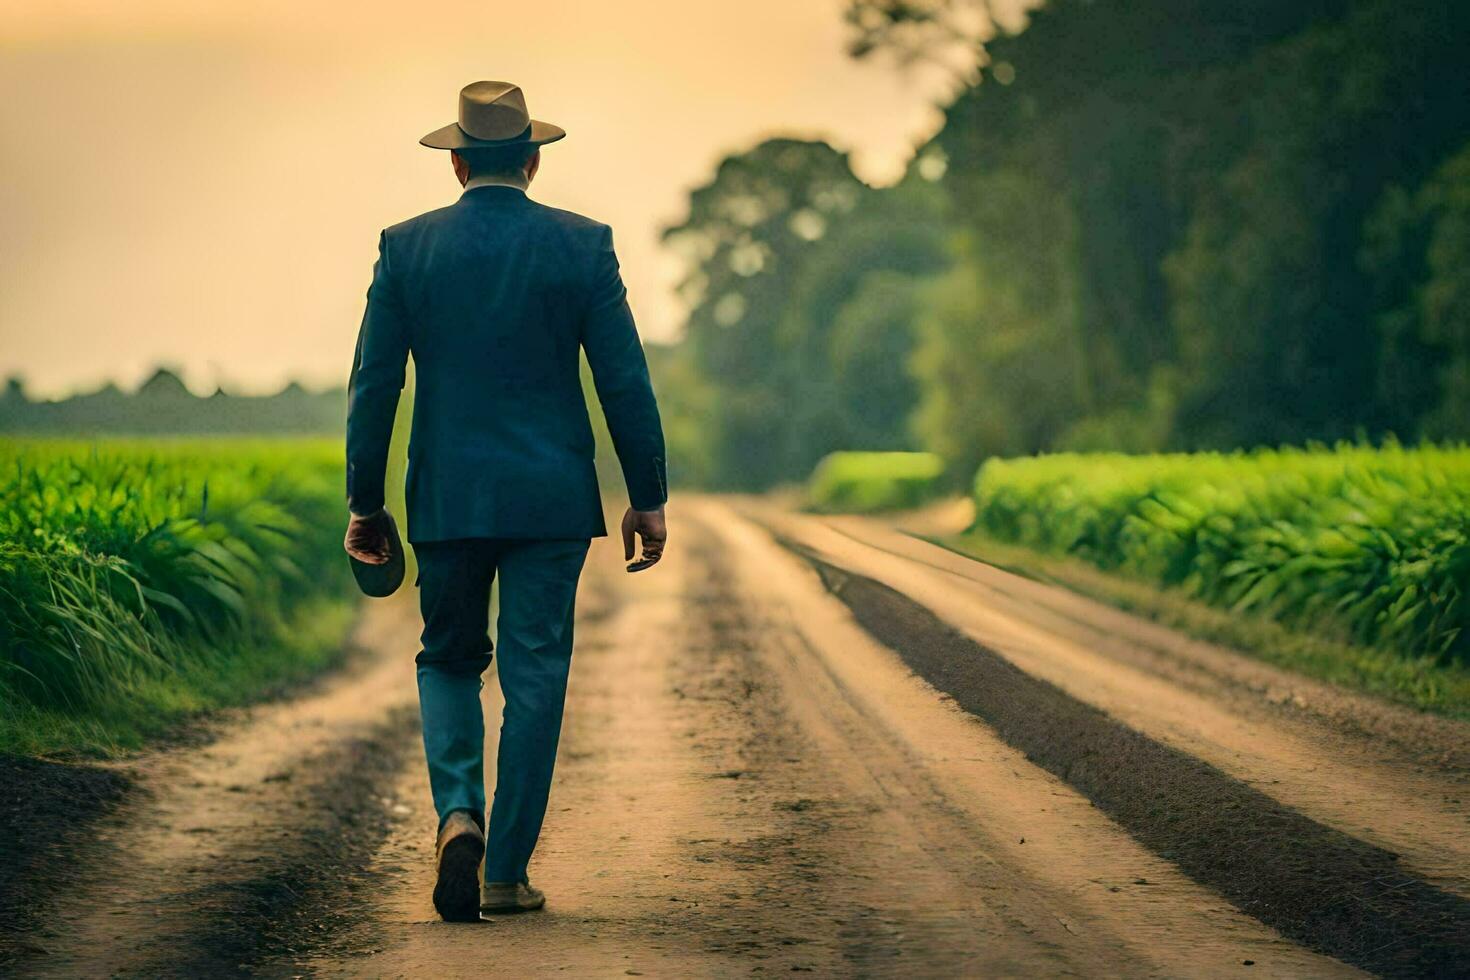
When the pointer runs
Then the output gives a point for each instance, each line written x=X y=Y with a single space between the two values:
x=814 y=745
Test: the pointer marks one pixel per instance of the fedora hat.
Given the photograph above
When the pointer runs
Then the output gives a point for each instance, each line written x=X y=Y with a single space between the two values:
x=492 y=114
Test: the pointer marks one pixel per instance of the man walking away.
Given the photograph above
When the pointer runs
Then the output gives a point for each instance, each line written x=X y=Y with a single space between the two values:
x=494 y=296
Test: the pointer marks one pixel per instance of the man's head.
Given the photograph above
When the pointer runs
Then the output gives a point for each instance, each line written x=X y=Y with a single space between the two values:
x=516 y=164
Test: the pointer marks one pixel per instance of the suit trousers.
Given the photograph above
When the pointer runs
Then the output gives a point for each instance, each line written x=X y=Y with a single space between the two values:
x=538 y=588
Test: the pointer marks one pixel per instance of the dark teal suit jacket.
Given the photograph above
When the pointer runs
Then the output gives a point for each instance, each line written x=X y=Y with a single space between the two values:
x=494 y=296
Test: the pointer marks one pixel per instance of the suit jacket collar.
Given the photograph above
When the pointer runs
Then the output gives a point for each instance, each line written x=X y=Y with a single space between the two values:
x=493 y=192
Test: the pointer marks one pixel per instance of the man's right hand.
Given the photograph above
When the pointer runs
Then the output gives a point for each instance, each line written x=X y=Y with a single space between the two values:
x=649 y=526
x=367 y=538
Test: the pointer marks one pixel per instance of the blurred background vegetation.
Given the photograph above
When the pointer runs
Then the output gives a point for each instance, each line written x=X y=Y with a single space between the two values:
x=1144 y=225
x=1147 y=225
x=162 y=405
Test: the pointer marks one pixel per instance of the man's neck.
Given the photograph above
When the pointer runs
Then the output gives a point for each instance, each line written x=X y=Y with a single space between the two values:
x=493 y=180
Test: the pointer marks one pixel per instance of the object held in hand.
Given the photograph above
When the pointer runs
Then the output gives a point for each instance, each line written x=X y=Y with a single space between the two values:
x=380 y=580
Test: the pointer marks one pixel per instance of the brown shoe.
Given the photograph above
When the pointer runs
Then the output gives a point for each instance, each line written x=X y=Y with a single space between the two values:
x=510 y=896
x=460 y=849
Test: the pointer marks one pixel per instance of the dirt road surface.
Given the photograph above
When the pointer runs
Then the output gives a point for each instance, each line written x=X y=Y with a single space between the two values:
x=821 y=745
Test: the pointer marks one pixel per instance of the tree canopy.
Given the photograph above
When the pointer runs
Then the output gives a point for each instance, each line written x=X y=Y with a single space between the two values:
x=1147 y=224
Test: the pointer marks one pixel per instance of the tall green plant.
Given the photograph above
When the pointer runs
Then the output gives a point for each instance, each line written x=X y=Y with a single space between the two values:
x=1373 y=544
x=126 y=564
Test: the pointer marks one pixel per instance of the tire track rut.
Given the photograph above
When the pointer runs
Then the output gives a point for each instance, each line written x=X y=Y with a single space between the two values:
x=1328 y=890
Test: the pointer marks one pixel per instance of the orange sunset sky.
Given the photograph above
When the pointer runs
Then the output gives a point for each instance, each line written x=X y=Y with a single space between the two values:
x=201 y=184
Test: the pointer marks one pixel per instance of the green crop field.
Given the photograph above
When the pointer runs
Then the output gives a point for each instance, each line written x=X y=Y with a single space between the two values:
x=855 y=482
x=1365 y=547
x=141 y=582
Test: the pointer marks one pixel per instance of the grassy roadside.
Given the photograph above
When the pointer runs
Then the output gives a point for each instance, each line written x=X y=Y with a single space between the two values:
x=143 y=583
x=273 y=657
x=870 y=482
x=1425 y=683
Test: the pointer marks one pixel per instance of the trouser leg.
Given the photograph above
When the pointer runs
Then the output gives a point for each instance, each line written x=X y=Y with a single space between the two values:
x=454 y=582
x=538 y=588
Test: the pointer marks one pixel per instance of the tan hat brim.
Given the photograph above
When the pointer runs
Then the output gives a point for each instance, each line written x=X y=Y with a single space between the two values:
x=451 y=137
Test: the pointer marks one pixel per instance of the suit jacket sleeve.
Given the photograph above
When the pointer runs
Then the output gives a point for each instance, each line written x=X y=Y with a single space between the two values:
x=374 y=388
x=620 y=374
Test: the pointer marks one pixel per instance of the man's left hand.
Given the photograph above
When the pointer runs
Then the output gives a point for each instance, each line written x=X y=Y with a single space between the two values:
x=367 y=538
x=649 y=526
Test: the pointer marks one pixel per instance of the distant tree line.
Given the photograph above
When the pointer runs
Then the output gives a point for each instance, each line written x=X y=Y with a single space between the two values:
x=1148 y=224
x=163 y=405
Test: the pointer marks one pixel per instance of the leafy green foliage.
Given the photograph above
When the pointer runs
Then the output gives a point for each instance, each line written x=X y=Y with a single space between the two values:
x=1370 y=544
x=1218 y=165
x=1144 y=225
x=1417 y=249
x=127 y=566
x=1000 y=367
x=863 y=483
x=784 y=359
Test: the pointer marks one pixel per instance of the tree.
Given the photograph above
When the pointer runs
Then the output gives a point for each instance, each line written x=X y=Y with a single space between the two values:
x=164 y=383
x=870 y=350
x=748 y=233
x=1146 y=224
x=1207 y=168
x=1418 y=251
x=778 y=246
x=997 y=364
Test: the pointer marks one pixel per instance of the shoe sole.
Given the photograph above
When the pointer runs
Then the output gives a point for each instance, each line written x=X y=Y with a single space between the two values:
x=457 y=892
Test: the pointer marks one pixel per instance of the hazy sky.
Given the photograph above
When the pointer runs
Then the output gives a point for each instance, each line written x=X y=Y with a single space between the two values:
x=202 y=183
